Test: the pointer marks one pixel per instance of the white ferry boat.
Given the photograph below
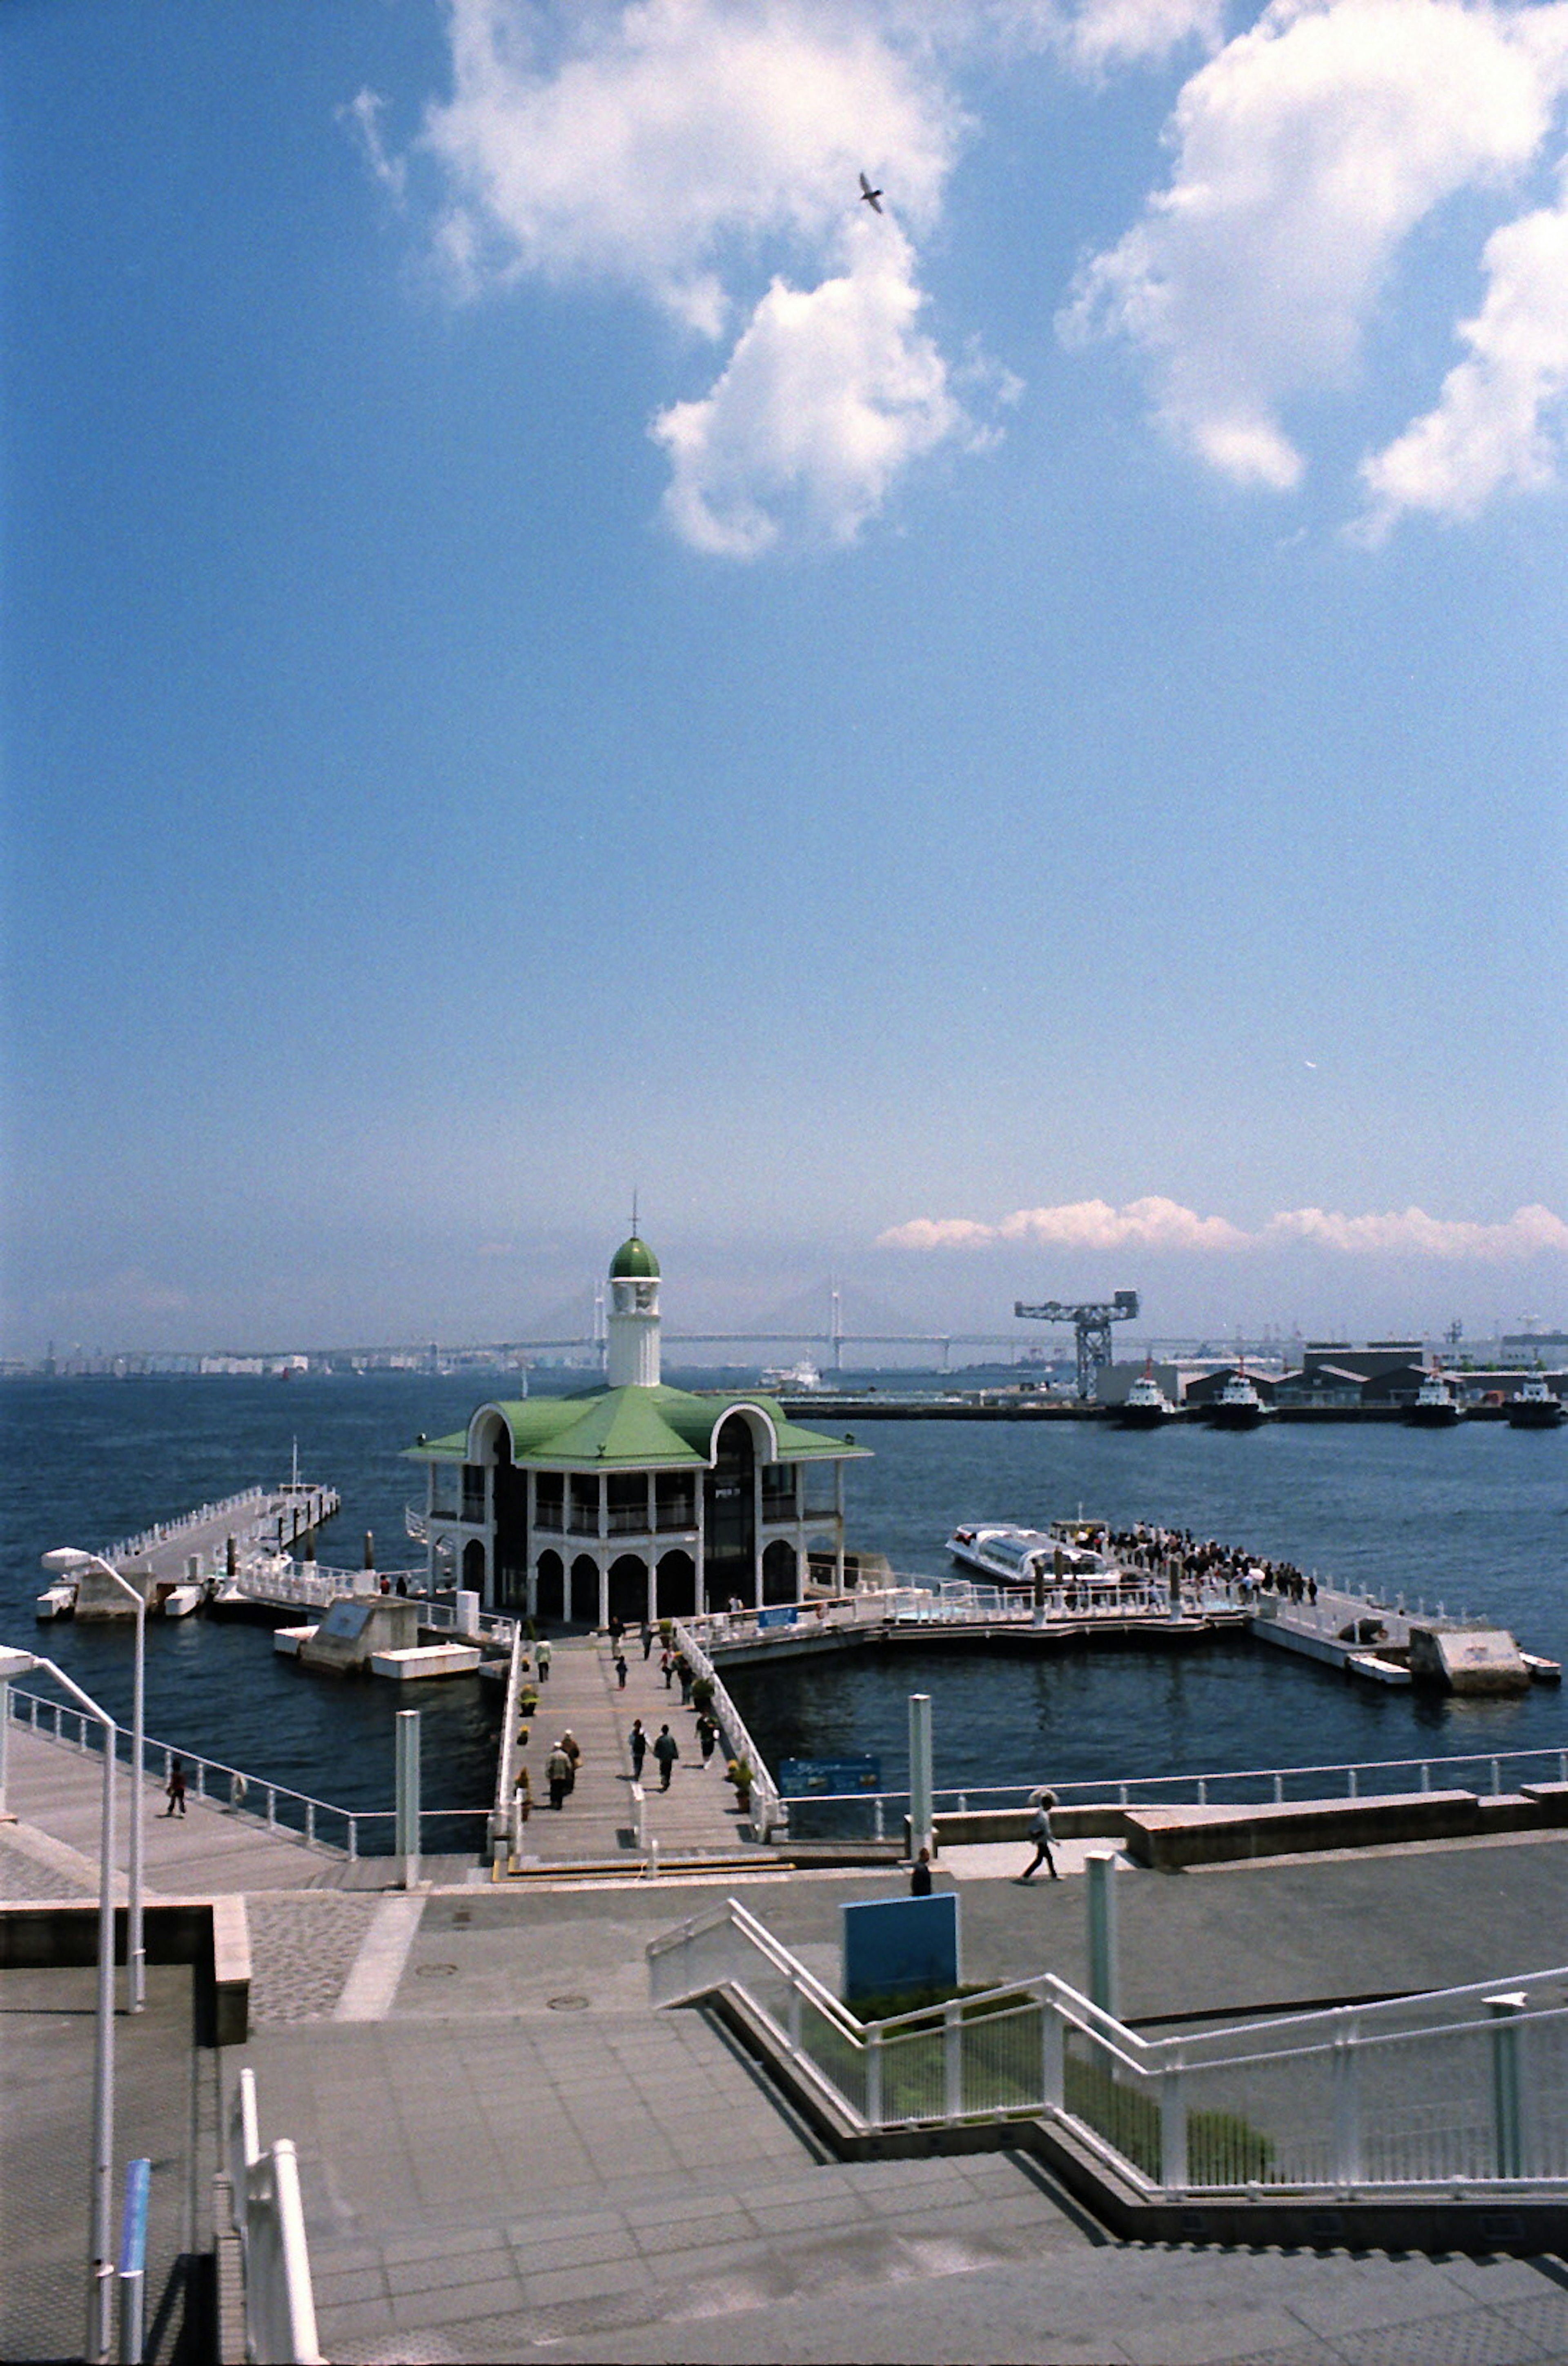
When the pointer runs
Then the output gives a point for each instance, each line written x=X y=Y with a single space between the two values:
x=1534 y=1407
x=1435 y=1406
x=1146 y=1406
x=1238 y=1405
x=1015 y=1556
x=791 y=1378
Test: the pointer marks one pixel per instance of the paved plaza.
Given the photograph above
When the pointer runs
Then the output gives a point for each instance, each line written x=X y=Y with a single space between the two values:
x=505 y=2151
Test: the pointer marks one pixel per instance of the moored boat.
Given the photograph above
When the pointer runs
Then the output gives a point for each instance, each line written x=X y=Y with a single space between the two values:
x=1435 y=1405
x=1145 y=1405
x=1009 y=1555
x=1239 y=1404
x=1534 y=1407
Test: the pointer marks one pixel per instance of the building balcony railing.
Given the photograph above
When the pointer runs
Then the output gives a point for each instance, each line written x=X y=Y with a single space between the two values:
x=549 y=1515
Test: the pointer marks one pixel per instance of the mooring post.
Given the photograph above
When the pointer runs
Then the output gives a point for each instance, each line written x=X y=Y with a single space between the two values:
x=1507 y=2087
x=407 y=1818
x=1101 y=1867
x=920 y=1811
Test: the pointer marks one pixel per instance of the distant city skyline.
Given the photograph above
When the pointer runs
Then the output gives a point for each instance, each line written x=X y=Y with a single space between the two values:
x=1012 y=746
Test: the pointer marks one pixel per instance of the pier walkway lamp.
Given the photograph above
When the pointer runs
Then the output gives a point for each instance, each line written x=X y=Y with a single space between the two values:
x=100 y=2268
x=67 y=1560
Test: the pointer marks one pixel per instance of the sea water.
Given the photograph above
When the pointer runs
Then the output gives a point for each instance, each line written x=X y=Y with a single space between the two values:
x=1474 y=1518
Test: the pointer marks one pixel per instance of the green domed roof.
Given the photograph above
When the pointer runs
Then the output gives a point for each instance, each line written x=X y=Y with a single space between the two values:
x=633 y=1261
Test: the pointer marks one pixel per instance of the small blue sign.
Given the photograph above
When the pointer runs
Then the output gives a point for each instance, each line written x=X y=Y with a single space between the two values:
x=896 y=1946
x=801 y=1778
x=783 y=1616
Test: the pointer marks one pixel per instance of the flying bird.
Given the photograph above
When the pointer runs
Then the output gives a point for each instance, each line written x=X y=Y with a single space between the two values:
x=869 y=196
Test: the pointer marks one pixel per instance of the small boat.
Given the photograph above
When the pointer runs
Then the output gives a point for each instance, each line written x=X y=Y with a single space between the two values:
x=1014 y=1556
x=56 y=1602
x=802 y=1376
x=1239 y=1404
x=1146 y=1406
x=1534 y=1407
x=1435 y=1406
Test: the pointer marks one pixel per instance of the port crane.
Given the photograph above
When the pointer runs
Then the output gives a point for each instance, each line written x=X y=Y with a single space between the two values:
x=1092 y=1325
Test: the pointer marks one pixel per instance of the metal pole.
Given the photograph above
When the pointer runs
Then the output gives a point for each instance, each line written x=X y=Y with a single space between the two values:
x=1506 y=2089
x=101 y=2270
x=1100 y=1865
x=407 y=1818
x=69 y=1559
x=921 y=1811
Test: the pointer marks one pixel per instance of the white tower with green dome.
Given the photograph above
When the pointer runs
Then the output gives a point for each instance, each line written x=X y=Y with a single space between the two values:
x=632 y=1350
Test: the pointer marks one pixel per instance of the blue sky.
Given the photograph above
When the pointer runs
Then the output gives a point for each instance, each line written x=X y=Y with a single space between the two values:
x=1013 y=745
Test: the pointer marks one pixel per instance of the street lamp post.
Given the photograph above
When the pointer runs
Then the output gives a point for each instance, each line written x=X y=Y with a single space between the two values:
x=100 y=2273
x=67 y=1560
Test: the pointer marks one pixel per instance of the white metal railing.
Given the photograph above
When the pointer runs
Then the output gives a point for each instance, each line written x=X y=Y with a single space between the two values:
x=1463 y=2089
x=507 y=1814
x=163 y=1532
x=280 y=2307
x=251 y=1798
x=1237 y=1786
x=767 y=1810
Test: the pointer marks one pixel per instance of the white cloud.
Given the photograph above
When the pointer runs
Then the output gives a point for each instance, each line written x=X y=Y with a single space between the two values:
x=1164 y=1225
x=364 y=113
x=705 y=153
x=1095 y=34
x=1306 y=152
x=1491 y=428
x=830 y=391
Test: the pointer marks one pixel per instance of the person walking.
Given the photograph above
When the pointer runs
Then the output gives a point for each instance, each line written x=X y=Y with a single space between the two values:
x=542 y=1659
x=570 y=1743
x=667 y=1751
x=617 y=1629
x=707 y=1734
x=620 y=1671
x=1040 y=1833
x=920 y=1874
x=647 y=1640
x=558 y=1775
x=637 y=1742
x=684 y=1671
x=667 y=1668
x=176 y=1789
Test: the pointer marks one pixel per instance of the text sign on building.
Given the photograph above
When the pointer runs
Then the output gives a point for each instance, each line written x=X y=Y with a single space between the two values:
x=799 y=1778
x=783 y=1616
x=900 y=1946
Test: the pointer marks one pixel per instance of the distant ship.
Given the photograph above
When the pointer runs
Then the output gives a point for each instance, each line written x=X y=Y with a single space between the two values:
x=792 y=1377
x=1534 y=1407
x=1434 y=1406
x=1146 y=1406
x=1239 y=1404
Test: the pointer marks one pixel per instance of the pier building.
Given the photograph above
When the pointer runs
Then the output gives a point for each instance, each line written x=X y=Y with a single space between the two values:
x=635 y=1500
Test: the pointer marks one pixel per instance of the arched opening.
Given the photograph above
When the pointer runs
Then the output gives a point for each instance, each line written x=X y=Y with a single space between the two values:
x=628 y=1589
x=585 y=1591
x=549 y=1588
x=729 y=1527
x=779 y=1582
x=677 y=1586
x=474 y=1566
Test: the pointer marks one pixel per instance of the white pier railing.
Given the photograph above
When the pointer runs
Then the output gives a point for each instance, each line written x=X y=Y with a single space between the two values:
x=1464 y=2089
x=251 y=1799
x=269 y=2217
x=244 y=1507
x=767 y=1812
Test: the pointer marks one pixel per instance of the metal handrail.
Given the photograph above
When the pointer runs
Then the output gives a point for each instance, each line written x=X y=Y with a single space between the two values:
x=1152 y=2106
x=269 y=2214
x=767 y=1808
x=252 y=1797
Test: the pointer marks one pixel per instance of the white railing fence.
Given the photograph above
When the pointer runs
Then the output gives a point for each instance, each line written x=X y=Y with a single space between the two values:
x=1464 y=2088
x=251 y=1798
x=767 y=1810
x=280 y=2308
x=1489 y=1773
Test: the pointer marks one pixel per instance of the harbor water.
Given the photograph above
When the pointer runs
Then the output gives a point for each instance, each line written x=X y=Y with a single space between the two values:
x=1472 y=1518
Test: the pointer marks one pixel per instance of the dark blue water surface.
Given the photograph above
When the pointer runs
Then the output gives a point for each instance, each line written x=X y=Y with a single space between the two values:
x=1475 y=1517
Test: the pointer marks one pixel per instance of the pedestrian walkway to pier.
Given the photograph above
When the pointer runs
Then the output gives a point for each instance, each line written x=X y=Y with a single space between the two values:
x=697 y=1816
x=258 y=1519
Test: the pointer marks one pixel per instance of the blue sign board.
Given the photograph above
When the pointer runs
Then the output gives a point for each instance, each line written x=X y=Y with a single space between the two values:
x=896 y=1946
x=783 y=1616
x=800 y=1777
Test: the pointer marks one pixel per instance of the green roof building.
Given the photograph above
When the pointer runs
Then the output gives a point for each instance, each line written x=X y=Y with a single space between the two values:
x=633 y=1500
